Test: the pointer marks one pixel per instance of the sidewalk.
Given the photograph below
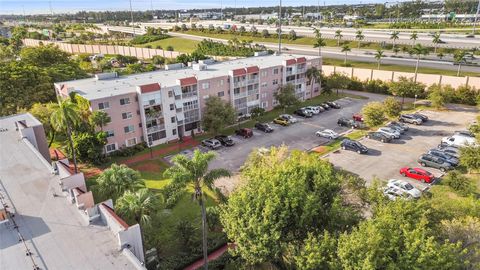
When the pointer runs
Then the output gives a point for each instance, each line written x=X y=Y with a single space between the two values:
x=211 y=257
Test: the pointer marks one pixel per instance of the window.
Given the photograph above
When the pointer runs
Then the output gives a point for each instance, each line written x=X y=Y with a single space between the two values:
x=126 y=115
x=174 y=131
x=131 y=142
x=124 y=101
x=264 y=104
x=275 y=71
x=264 y=73
x=275 y=82
x=264 y=84
x=221 y=94
x=221 y=82
x=205 y=85
x=172 y=119
x=129 y=129
x=110 y=147
x=172 y=107
x=110 y=133
x=103 y=105
x=170 y=94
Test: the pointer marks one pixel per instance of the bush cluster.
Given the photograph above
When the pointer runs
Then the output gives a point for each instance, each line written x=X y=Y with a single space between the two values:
x=147 y=38
x=129 y=151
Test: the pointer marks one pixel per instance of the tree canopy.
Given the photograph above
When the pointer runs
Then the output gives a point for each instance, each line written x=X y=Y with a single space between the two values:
x=217 y=115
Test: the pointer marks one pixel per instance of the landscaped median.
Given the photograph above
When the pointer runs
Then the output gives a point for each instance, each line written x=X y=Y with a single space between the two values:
x=352 y=134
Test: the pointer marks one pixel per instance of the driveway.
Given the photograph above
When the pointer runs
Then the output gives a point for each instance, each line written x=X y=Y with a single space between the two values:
x=384 y=160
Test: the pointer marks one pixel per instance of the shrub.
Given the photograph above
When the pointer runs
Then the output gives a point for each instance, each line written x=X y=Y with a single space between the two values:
x=158 y=60
x=376 y=86
x=373 y=114
x=170 y=48
x=466 y=95
x=355 y=84
x=459 y=182
x=172 y=193
x=392 y=107
x=147 y=38
x=439 y=95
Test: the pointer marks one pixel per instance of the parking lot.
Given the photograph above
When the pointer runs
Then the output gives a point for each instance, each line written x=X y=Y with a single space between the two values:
x=384 y=160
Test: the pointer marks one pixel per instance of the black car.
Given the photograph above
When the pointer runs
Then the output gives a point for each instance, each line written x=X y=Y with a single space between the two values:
x=325 y=106
x=378 y=136
x=225 y=140
x=354 y=146
x=333 y=105
x=303 y=113
x=411 y=119
x=345 y=122
x=264 y=127
x=421 y=116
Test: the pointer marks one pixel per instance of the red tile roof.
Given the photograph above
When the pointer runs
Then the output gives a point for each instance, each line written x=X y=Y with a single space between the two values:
x=252 y=69
x=188 y=81
x=239 y=72
x=291 y=62
x=115 y=216
x=301 y=60
x=147 y=88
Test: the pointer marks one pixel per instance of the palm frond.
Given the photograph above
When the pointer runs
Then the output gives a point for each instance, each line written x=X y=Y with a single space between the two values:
x=213 y=175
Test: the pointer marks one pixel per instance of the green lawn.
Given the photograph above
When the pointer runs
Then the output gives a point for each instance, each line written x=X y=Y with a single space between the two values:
x=339 y=62
x=178 y=44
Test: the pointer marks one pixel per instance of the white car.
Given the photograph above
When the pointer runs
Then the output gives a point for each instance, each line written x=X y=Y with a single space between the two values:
x=313 y=109
x=405 y=187
x=289 y=118
x=389 y=132
x=393 y=193
x=327 y=133
x=458 y=141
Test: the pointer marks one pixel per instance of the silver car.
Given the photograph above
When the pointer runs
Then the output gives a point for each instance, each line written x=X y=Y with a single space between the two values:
x=211 y=143
x=394 y=134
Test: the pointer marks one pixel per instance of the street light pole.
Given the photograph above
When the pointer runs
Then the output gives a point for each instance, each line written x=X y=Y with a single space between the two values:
x=280 y=28
x=415 y=101
x=131 y=17
x=475 y=19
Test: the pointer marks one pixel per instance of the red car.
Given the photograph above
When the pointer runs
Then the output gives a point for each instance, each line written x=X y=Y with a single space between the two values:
x=418 y=174
x=357 y=117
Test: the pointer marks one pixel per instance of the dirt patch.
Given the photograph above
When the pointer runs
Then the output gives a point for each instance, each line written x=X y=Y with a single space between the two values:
x=147 y=166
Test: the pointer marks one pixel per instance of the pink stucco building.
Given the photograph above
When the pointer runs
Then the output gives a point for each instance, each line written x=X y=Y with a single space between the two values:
x=158 y=107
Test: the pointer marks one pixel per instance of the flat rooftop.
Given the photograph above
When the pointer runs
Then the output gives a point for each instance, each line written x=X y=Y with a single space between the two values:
x=54 y=230
x=92 y=88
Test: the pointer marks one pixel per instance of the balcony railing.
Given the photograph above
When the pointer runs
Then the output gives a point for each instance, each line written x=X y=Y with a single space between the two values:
x=191 y=107
x=189 y=94
x=240 y=95
x=156 y=128
x=239 y=84
x=253 y=92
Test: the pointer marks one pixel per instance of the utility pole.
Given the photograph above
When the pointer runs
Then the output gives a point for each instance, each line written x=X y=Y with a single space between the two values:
x=131 y=17
x=151 y=7
x=280 y=28
x=475 y=19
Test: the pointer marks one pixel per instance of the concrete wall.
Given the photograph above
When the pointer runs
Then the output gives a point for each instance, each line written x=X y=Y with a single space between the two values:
x=141 y=53
x=363 y=74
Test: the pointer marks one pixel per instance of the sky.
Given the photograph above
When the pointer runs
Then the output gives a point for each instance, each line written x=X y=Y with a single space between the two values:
x=72 y=6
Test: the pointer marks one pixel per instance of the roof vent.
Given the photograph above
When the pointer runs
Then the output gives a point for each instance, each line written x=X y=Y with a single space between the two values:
x=105 y=76
x=207 y=61
x=174 y=66
x=199 y=67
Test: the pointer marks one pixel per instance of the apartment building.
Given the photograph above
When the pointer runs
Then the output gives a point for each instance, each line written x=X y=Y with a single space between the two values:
x=161 y=106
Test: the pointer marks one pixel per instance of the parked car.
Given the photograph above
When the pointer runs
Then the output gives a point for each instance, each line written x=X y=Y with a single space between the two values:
x=345 y=122
x=452 y=151
x=394 y=193
x=353 y=146
x=281 y=121
x=396 y=127
x=211 y=143
x=244 y=132
x=394 y=134
x=357 y=117
x=458 y=141
x=264 y=127
x=303 y=112
x=465 y=133
x=315 y=109
x=325 y=106
x=333 y=104
x=289 y=118
x=427 y=160
x=405 y=187
x=417 y=174
x=327 y=133
x=225 y=140
x=402 y=125
x=379 y=136
x=421 y=116
x=411 y=119
x=450 y=159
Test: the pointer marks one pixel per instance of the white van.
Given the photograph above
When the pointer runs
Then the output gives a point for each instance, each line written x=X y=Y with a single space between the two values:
x=458 y=140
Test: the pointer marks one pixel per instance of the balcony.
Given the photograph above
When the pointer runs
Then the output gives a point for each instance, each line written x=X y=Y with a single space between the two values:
x=289 y=72
x=301 y=70
x=155 y=128
x=189 y=94
x=240 y=95
x=253 y=92
x=241 y=83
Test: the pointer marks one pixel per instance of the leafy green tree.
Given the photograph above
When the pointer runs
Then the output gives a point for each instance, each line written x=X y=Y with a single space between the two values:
x=465 y=230
x=470 y=157
x=43 y=112
x=292 y=35
x=265 y=33
x=64 y=118
x=373 y=114
x=217 y=115
x=256 y=113
x=286 y=97
x=439 y=95
x=89 y=146
x=99 y=118
x=116 y=180
x=379 y=55
x=194 y=171
x=18 y=34
x=336 y=81
x=318 y=252
x=286 y=196
x=406 y=87
x=392 y=107
x=459 y=182
x=313 y=75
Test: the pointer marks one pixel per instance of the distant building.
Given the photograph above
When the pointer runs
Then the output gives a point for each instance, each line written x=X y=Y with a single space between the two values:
x=162 y=106
x=314 y=15
x=351 y=18
x=5 y=32
x=260 y=16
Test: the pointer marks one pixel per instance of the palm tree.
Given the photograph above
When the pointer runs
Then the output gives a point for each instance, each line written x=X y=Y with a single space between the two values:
x=414 y=37
x=395 y=50
x=117 y=180
x=139 y=205
x=99 y=118
x=436 y=39
x=394 y=37
x=440 y=55
x=359 y=37
x=313 y=75
x=338 y=36
x=194 y=171
x=379 y=55
x=346 y=49
x=418 y=50
x=319 y=43
x=459 y=58
x=64 y=118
